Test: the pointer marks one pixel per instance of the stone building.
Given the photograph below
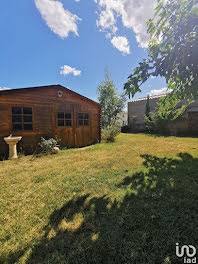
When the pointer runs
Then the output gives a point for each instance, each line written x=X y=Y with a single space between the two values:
x=187 y=124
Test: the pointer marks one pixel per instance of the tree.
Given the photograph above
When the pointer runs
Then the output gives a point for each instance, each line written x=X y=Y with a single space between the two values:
x=172 y=51
x=147 y=111
x=111 y=102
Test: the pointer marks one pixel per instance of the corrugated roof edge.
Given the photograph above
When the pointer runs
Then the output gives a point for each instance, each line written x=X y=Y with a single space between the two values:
x=150 y=97
x=48 y=86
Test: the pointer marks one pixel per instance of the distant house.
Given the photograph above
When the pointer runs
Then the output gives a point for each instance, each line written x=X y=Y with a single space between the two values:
x=188 y=124
x=123 y=118
x=48 y=111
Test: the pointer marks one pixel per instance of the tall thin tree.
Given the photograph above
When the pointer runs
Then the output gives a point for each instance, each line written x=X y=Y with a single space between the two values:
x=111 y=101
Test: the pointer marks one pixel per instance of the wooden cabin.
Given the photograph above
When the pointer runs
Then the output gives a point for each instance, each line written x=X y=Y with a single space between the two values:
x=51 y=112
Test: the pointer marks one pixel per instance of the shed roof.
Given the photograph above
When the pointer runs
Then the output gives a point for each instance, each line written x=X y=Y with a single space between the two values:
x=11 y=91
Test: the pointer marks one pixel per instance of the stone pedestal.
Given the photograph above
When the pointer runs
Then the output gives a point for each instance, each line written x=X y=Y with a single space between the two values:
x=12 y=142
x=56 y=150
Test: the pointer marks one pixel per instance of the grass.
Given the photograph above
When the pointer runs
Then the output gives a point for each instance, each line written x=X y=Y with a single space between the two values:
x=123 y=202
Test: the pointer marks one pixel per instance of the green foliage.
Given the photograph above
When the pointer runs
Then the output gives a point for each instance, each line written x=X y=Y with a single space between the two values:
x=111 y=102
x=147 y=111
x=109 y=134
x=172 y=49
x=47 y=145
x=169 y=109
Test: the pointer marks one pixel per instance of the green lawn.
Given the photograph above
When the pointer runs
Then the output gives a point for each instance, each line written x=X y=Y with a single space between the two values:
x=123 y=202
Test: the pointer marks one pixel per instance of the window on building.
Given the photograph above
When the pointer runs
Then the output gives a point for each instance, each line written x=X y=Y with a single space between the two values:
x=64 y=119
x=83 y=119
x=22 y=119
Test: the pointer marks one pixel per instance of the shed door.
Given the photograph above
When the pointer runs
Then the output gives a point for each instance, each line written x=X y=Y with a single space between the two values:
x=65 y=124
x=84 y=133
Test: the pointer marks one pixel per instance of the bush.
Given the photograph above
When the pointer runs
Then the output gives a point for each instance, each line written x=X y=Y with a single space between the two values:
x=109 y=134
x=125 y=129
x=169 y=110
x=155 y=124
x=47 y=145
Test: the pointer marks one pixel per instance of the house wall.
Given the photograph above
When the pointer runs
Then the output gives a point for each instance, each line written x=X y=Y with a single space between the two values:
x=136 y=111
x=123 y=118
x=187 y=124
x=46 y=103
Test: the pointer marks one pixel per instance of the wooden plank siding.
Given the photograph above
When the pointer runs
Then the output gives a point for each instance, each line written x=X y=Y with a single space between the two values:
x=46 y=104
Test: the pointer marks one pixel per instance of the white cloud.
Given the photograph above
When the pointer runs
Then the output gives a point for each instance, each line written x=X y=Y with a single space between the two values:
x=4 y=88
x=107 y=21
x=134 y=15
x=58 y=19
x=121 y=43
x=161 y=91
x=65 y=70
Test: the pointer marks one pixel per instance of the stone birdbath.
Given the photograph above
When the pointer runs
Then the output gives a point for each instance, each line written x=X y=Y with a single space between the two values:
x=12 y=142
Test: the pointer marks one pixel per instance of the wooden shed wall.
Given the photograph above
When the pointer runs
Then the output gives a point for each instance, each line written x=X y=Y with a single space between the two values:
x=46 y=103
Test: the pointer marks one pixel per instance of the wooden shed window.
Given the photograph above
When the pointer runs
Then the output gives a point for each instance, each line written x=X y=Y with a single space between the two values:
x=83 y=119
x=64 y=119
x=22 y=119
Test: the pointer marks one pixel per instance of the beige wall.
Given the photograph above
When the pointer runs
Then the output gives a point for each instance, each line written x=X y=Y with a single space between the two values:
x=186 y=124
x=137 y=109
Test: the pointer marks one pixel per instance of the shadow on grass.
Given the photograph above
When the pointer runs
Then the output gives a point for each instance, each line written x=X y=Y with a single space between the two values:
x=159 y=209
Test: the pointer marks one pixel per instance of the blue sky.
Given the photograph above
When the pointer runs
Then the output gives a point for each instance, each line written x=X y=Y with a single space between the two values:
x=38 y=37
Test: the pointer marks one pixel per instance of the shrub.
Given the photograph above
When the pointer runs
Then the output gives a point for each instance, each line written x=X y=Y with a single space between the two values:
x=109 y=134
x=47 y=145
x=169 y=110
x=125 y=129
x=155 y=124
